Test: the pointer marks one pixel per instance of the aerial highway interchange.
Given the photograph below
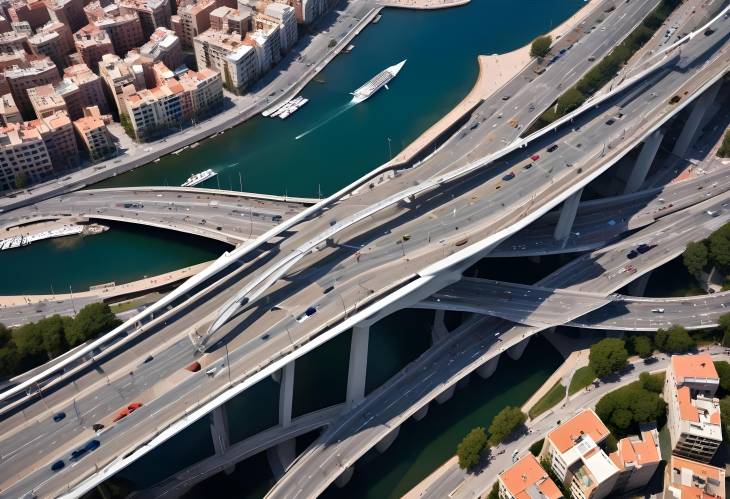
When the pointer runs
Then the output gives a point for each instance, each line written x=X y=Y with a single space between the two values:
x=409 y=234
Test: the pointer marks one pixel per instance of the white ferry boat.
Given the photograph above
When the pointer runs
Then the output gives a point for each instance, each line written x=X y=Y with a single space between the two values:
x=197 y=178
x=379 y=81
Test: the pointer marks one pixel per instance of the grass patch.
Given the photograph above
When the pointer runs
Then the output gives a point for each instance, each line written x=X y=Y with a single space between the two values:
x=550 y=399
x=123 y=306
x=582 y=378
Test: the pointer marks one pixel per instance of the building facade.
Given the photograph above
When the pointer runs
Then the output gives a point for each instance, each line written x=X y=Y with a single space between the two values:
x=93 y=133
x=92 y=44
x=230 y=55
x=38 y=72
x=693 y=414
x=24 y=158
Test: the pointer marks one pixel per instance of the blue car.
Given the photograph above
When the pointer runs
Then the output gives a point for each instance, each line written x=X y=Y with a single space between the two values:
x=59 y=416
x=58 y=465
x=92 y=445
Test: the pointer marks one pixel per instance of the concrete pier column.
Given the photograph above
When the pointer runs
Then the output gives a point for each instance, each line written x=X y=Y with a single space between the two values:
x=567 y=216
x=516 y=351
x=488 y=368
x=637 y=287
x=446 y=395
x=421 y=413
x=644 y=161
x=357 y=370
x=219 y=433
x=344 y=477
x=699 y=108
x=286 y=394
x=534 y=258
x=462 y=383
x=388 y=440
x=439 y=330
x=281 y=456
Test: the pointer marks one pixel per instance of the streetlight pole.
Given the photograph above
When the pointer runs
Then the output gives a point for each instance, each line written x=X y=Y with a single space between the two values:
x=390 y=152
x=72 y=298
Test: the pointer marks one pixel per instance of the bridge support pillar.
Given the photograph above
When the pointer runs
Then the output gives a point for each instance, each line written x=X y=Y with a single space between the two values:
x=282 y=455
x=516 y=351
x=358 y=367
x=644 y=161
x=488 y=368
x=637 y=287
x=421 y=413
x=344 y=477
x=567 y=216
x=446 y=395
x=388 y=440
x=439 y=330
x=534 y=258
x=219 y=433
x=699 y=108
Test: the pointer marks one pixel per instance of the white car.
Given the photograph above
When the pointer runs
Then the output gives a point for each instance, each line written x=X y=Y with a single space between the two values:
x=657 y=310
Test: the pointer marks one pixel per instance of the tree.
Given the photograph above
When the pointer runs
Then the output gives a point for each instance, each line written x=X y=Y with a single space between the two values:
x=652 y=382
x=494 y=493
x=695 y=258
x=725 y=417
x=642 y=346
x=51 y=329
x=608 y=356
x=724 y=150
x=674 y=340
x=21 y=180
x=471 y=447
x=720 y=248
x=541 y=46
x=127 y=125
x=91 y=320
x=622 y=410
x=536 y=448
x=723 y=371
x=504 y=423
x=571 y=99
x=5 y=336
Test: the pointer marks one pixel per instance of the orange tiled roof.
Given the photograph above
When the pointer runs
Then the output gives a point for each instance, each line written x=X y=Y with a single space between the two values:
x=587 y=422
x=526 y=473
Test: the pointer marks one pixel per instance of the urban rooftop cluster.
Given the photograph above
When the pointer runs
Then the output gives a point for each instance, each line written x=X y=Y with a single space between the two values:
x=70 y=68
x=576 y=457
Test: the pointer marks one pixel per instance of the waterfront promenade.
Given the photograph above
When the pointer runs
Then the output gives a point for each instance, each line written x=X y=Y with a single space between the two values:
x=495 y=71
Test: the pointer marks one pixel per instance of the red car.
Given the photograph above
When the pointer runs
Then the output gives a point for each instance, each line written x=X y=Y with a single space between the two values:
x=126 y=411
x=535 y=157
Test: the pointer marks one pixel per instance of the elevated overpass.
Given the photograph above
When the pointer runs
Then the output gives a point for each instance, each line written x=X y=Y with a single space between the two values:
x=287 y=343
x=474 y=346
x=544 y=307
x=227 y=216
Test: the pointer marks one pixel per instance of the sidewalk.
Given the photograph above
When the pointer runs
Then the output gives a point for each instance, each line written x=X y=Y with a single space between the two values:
x=563 y=373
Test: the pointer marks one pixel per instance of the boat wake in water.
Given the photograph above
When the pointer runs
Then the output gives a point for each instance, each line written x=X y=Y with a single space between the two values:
x=329 y=118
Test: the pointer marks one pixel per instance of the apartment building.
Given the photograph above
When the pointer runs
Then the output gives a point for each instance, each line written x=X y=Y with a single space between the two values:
x=20 y=79
x=46 y=101
x=686 y=479
x=526 y=479
x=9 y=112
x=231 y=55
x=287 y=19
x=163 y=46
x=637 y=458
x=124 y=30
x=229 y=20
x=267 y=41
x=51 y=45
x=152 y=13
x=33 y=12
x=175 y=100
x=693 y=414
x=193 y=19
x=68 y=12
x=93 y=133
x=574 y=453
x=12 y=42
x=309 y=10
x=66 y=39
x=92 y=44
x=23 y=155
x=81 y=88
x=57 y=133
x=116 y=75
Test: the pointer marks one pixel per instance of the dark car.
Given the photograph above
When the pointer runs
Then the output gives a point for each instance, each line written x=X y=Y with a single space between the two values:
x=535 y=157
x=276 y=218
x=552 y=148
x=527 y=166
x=509 y=176
x=643 y=248
x=78 y=454
x=59 y=416
x=97 y=427
x=58 y=465
x=632 y=254
x=92 y=445
x=310 y=311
